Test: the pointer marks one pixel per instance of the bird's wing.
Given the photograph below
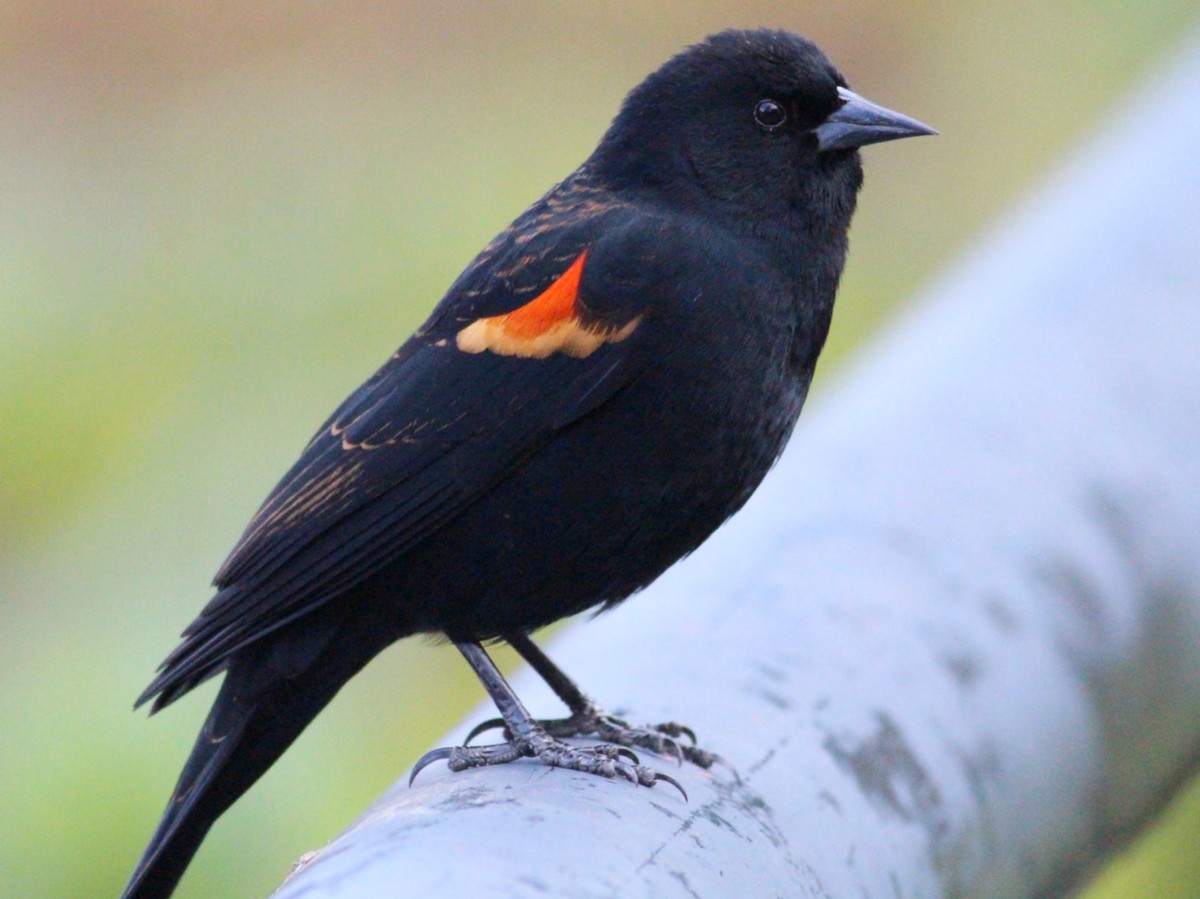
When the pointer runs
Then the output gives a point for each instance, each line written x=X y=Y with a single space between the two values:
x=510 y=356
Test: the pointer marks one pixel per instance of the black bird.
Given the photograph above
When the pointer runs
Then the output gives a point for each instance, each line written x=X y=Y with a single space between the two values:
x=605 y=384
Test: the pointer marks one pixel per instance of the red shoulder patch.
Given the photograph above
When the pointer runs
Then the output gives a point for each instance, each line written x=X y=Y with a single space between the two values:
x=549 y=323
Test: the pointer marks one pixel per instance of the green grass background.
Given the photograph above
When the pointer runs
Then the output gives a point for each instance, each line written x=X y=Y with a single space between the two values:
x=217 y=219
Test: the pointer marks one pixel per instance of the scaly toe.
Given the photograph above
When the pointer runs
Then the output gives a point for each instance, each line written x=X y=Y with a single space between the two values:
x=608 y=760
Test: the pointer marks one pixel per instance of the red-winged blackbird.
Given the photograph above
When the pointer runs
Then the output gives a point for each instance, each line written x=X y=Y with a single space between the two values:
x=605 y=384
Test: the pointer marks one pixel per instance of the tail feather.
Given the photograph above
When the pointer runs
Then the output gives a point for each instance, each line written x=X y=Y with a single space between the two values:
x=206 y=788
x=271 y=692
x=216 y=773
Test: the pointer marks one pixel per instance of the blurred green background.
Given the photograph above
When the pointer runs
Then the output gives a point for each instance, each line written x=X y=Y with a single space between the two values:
x=217 y=219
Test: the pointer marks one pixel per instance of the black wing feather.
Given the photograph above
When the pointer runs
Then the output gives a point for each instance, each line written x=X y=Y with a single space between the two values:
x=404 y=454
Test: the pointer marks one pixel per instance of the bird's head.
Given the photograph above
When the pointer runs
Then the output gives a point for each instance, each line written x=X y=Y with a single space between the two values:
x=758 y=121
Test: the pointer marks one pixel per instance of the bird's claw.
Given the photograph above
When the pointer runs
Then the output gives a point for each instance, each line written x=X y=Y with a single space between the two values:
x=428 y=758
x=483 y=727
x=673 y=782
x=591 y=720
x=606 y=759
x=628 y=754
x=661 y=739
x=672 y=729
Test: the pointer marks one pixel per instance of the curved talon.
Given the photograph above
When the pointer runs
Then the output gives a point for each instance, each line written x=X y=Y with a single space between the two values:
x=428 y=758
x=674 y=729
x=623 y=752
x=483 y=727
x=618 y=735
x=624 y=762
x=673 y=782
x=673 y=749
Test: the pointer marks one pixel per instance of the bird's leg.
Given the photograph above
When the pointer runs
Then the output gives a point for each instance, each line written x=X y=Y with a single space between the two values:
x=529 y=739
x=587 y=717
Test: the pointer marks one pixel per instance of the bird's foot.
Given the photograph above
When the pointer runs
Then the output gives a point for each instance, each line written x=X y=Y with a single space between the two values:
x=535 y=741
x=591 y=719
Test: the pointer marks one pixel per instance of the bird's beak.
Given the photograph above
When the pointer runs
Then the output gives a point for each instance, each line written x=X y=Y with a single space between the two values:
x=858 y=122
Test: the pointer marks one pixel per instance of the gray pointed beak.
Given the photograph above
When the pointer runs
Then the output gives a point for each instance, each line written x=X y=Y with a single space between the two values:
x=858 y=122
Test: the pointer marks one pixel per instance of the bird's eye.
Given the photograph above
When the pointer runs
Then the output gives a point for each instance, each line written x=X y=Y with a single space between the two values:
x=770 y=115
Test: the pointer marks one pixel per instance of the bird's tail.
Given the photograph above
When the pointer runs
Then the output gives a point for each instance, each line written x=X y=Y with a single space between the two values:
x=263 y=705
x=217 y=772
